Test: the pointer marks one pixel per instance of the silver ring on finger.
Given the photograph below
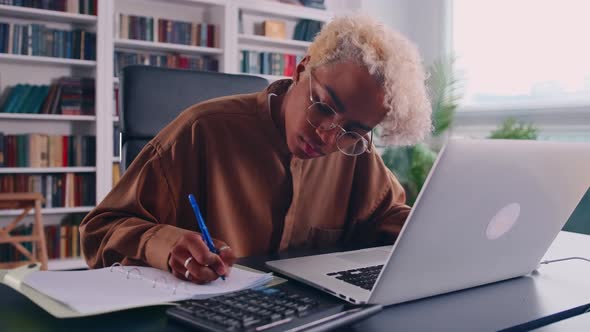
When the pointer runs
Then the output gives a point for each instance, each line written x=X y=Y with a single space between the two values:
x=224 y=248
x=187 y=261
x=187 y=275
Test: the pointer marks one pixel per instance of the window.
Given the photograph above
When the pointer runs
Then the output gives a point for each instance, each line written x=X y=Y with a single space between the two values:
x=523 y=53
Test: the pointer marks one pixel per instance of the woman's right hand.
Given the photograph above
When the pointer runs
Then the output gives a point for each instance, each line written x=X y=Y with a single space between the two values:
x=190 y=259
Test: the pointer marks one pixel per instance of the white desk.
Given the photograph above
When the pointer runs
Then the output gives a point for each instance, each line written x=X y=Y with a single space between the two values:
x=546 y=294
x=573 y=324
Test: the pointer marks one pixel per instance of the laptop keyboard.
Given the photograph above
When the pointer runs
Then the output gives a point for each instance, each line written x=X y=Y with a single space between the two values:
x=364 y=277
x=246 y=309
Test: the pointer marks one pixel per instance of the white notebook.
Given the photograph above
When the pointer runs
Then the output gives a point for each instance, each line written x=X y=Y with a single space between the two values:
x=124 y=287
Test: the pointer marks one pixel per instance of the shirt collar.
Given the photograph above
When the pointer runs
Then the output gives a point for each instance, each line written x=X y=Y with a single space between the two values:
x=278 y=87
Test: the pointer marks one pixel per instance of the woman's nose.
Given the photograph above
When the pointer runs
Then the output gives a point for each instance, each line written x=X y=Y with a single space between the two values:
x=328 y=137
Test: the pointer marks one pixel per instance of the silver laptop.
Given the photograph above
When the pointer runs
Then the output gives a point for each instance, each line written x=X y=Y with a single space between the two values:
x=488 y=211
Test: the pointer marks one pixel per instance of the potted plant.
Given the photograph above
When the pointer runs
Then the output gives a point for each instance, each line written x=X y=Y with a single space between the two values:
x=411 y=164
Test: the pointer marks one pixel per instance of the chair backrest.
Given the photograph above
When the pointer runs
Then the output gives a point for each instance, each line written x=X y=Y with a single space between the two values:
x=151 y=97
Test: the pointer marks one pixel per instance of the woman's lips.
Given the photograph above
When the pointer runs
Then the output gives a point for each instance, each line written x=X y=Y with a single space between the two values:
x=310 y=150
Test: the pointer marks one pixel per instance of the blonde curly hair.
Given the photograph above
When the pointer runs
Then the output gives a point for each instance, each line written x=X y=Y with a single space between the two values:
x=392 y=60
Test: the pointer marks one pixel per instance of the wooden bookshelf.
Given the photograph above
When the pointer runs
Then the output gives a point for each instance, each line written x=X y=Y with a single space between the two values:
x=45 y=60
x=270 y=78
x=54 y=210
x=255 y=40
x=46 y=15
x=42 y=117
x=35 y=170
x=283 y=10
x=17 y=68
x=164 y=47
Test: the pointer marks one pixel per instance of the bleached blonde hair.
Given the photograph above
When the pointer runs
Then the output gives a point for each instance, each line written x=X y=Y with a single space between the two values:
x=392 y=60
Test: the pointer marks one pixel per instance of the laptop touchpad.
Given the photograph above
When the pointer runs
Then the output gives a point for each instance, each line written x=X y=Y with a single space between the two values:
x=367 y=256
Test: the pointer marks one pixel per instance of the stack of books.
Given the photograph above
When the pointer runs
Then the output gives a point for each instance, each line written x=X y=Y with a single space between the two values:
x=39 y=40
x=40 y=150
x=87 y=7
x=67 y=95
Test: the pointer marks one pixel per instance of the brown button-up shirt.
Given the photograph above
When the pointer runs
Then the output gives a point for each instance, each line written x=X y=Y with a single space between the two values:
x=253 y=195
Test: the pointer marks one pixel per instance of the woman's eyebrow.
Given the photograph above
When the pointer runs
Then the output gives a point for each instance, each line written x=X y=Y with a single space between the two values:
x=342 y=109
x=335 y=98
x=360 y=126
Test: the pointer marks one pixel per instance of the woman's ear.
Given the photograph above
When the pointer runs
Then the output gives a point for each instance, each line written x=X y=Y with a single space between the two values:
x=301 y=66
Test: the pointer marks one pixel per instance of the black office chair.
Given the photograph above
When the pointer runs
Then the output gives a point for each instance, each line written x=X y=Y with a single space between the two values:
x=151 y=97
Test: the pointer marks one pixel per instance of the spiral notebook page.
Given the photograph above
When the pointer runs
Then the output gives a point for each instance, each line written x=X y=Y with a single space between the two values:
x=118 y=288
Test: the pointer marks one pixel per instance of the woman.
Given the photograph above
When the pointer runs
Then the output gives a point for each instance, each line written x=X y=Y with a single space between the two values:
x=288 y=167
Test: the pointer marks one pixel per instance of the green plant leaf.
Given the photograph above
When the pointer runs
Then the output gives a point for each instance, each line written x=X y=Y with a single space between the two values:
x=512 y=129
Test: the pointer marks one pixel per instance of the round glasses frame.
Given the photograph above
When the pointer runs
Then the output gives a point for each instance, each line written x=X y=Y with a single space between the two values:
x=346 y=141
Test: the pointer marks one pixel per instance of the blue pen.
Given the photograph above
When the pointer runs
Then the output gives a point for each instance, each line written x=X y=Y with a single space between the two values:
x=204 y=231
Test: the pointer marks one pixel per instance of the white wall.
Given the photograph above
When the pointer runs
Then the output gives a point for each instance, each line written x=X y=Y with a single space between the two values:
x=428 y=24
x=422 y=21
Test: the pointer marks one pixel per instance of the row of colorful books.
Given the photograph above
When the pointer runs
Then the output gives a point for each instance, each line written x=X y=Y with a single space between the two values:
x=254 y=62
x=88 y=7
x=67 y=95
x=39 y=40
x=40 y=150
x=196 y=62
x=63 y=240
x=60 y=190
x=168 y=31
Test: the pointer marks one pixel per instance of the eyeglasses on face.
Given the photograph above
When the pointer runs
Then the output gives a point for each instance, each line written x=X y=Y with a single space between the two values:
x=322 y=116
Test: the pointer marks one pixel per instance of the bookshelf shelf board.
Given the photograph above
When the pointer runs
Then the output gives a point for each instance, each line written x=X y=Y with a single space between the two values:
x=4 y=213
x=35 y=170
x=115 y=118
x=46 y=15
x=116 y=80
x=34 y=59
x=284 y=10
x=267 y=41
x=269 y=78
x=54 y=117
x=116 y=159
x=156 y=46
x=198 y=2
x=66 y=264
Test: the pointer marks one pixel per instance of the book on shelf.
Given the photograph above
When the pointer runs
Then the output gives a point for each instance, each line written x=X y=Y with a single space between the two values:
x=88 y=7
x=116 y=173
x=267 y=63
x=317 y=4
x=136 y=27
x=62 y=240
x=66 y=95
x=40 y=150
x=306 y=30
x=274 y=29
x=64 y=190
x=116 y=141
x=168 y=31
x=39 y=40
x=116 y=101
x=196 y=62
